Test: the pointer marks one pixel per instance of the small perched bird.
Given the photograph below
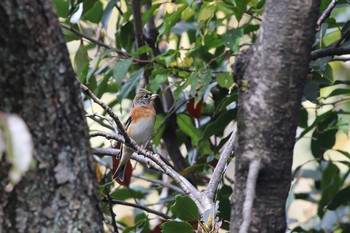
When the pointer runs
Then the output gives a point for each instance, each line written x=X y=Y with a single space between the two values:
x=139 y=126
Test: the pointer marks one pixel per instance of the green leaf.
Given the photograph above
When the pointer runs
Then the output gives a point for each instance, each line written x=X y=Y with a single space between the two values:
x=323 y=138
x=232 y=38
x=102 y=86
x=176 y=227
x=107 y=13
x=224 y=80
x=186 y=125
x=142 y=50
x=126 y=193
x=342 y=197
x=330 y=184
x=240 y=8
x=339 y=91
x=185 y=209
x=206 y=12
x=121 y=69
x=130 y=84
x=170 y=20
x=81 y=60
x=158 y=137
x=148 y=13
x=303 y=117
x=311 y=91
x=94 y=15
x=157 y=81
x=62 y=7
x=223 y=197
x=217 y=126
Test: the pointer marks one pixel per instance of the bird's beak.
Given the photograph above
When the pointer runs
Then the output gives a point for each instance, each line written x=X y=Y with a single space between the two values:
x=154 y=96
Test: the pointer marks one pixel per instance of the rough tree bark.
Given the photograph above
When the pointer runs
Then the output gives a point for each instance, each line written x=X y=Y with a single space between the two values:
x=38 y=83
x=273 y=75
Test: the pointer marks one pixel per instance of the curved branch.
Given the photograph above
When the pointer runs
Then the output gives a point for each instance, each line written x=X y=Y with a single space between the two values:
x=219 y=169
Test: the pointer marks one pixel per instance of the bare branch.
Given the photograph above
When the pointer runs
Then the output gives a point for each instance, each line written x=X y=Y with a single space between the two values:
x=164 y=184
x=219 y=169
x=108 y=110
x=140 y=158
x=329 y=52
x=326 y=14
x=253 y=173
x=201 y=200
x=149 y=210
x=111 y=126
x=110 y=207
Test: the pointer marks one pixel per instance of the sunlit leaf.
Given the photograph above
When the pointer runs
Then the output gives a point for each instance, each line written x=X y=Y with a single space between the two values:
x=130 y=84
x=232 y=38
x=121 y=69
x=186 y=125
x=176 y=227
x=185 y=209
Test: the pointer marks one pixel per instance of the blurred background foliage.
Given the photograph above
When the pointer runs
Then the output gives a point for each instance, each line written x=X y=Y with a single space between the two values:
x=188 y=47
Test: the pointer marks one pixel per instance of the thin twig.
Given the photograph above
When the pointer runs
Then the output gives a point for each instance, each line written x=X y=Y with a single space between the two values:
x=252 y=178
x=168 y=185
x=149 y=210
x=326 y=14
x=111 y=126
x=110 y=205
x=219 y=169
x=97 y=42
x=201 y=201
x=108 y=110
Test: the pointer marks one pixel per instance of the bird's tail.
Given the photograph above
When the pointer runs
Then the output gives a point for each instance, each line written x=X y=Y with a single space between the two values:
x=120 y=172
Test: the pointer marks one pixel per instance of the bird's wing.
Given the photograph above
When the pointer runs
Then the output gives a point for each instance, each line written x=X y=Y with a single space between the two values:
x=127 y=123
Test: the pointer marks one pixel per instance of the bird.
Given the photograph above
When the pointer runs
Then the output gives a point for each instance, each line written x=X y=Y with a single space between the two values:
x=139 y=126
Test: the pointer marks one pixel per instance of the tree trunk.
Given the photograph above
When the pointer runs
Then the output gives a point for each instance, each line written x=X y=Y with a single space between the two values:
x=38 y=83
x=273 y=75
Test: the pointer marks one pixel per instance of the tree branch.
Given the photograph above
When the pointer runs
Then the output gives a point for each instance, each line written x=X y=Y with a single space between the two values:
x=138 y=29
x=110 y=207
x=219 y=169
x=252 y=178
x=201 y=201
x=326 y=14
x=140 y=158
x=328 y=52
x=149 y=210
x=164 y=184
x=108 y=110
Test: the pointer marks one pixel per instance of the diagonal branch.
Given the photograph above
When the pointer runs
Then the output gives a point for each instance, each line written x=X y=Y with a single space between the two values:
x=120 y=126
x=201 y=200
x=326 y=14
x=219 y=169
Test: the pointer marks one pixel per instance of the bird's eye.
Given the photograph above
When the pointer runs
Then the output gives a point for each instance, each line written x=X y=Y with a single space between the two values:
x=146 y=96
